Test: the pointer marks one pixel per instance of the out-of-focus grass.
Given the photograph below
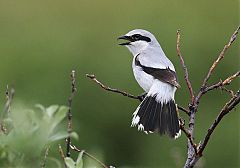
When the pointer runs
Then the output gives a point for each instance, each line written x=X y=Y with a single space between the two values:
x=41 y=41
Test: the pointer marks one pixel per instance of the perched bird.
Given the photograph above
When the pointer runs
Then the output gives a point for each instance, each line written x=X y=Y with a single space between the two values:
x=156 y=74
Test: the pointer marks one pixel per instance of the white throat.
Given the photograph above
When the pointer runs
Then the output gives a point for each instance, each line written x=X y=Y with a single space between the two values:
x=137 y=47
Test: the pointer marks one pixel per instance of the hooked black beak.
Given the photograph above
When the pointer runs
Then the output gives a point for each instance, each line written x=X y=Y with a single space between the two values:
x=127 y=38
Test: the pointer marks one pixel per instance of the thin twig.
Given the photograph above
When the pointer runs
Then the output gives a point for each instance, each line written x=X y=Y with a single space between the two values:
x=9 y=97
x=89 y=155
x=189 y=133
x=220 y=84
x=215 y=63
x=230 y=78
x=69 y=145
x=184 y=68
x=221 y=56
x=45 y=157
x=62 y=154
x=228 y=90
x=183 y=109
x=225 y=110
x=93 y=78
x=69 y=114
x=190 y=138
x=124 y=93
x=192 y=159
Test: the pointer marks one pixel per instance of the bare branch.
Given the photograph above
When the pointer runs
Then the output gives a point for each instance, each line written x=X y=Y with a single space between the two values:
x=192 y=157
x=194 y=151
x=215 y=63
x=68 y=140
x=220 y=84
x=184 y=68
x=191 y=145
x=190 y=138
x=229 y=79
x=93 y=78
x=45 y=157
x=89 y=155
x=228 y=90
x=225 y=110
x=62 y=154
x=140 y=97
x=9 y=97
x=221 y=56
x=69 y=114
x=183 y=109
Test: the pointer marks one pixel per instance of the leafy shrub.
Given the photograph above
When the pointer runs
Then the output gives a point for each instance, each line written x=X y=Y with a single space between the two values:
x=29 y=132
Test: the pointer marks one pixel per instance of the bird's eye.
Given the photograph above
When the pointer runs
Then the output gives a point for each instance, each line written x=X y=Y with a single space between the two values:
x=136 y=36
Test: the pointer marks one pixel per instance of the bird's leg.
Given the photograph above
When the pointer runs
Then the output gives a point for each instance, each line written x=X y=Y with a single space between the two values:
x=142 y=96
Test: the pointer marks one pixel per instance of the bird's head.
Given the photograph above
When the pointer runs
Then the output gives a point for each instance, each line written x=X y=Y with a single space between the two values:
x=138 y=40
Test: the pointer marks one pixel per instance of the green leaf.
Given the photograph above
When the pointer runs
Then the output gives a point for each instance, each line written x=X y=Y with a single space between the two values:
x=69 y=162
x=41 y=107
x=58 y=136
x=51 y=110
x=32 y=117
x=59 y=116
x=79 y=162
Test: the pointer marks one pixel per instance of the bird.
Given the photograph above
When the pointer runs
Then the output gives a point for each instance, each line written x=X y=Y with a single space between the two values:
x=155 y=73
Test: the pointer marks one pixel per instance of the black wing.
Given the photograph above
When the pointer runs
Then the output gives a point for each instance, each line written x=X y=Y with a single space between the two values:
x=164 y=75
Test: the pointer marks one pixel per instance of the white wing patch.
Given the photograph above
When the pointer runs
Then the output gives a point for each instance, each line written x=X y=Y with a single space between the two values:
x=177 y=135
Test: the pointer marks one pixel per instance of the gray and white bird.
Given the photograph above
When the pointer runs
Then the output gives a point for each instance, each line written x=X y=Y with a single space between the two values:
x=156 y=74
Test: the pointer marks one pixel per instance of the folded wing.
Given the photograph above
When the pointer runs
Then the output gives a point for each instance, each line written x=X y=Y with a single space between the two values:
x=165 y=75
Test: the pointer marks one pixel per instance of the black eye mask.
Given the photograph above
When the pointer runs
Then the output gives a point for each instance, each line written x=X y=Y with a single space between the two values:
x=139 y=37
x=133 y=38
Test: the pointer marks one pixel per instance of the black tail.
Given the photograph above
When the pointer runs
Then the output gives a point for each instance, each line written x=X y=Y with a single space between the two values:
x=153 y=116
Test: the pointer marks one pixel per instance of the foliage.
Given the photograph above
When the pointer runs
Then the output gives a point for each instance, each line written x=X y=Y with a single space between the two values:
x=29 y=131
x=74 y=164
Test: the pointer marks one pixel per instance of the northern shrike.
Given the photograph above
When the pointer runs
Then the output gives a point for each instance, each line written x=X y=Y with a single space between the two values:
x=156 y=74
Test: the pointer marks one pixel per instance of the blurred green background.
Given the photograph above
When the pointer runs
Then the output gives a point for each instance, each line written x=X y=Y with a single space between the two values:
x=42 y=41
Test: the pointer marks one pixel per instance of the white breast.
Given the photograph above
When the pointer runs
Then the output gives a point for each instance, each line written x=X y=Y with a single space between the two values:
x=143 y=79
